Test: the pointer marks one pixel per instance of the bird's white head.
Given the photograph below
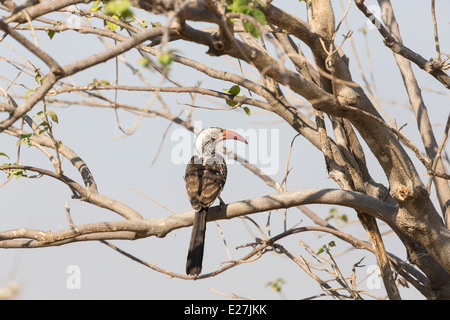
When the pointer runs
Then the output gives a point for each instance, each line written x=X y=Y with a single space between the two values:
x=208 y=140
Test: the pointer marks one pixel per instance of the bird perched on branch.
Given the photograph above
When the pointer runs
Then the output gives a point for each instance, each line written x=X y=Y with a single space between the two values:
x=205 y=178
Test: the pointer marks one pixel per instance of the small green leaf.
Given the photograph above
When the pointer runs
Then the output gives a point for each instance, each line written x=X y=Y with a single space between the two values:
x=52 y=115
x=321 y=250
x=238 y=5
x=112 y=26
x=308 y=2
x=97 y=83
x=119 y=8
x=247 y=110
x=37 y=76
x=250 y=27
x=51 y=33
x=276 y=285
x=331 y=244
x=145 y=62
x=231 y=103
x=28 y=93
x=259 y=16
x=156 y=24
x=234 y=90
x=142 y=23
x=241 y=6
x=95 y=6
x=25 y=135
x=18 y=174
x=4 y=154
x=164 y=59
x=23 y=138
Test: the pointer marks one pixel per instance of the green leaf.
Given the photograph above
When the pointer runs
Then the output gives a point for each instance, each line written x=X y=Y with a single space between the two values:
x=250 y=27
x=95 y=6
x=259 y=16
x=142 y=23
x=18 y=174
x=145 y=62
x=241 y=6
x=231 y=103
x=4 y=154
x=96 y=82
x=28 y=93
x=24 y=138
x=237 y=5
x=25 y=135
x=112 y=26
x=331 y=244
x=51 y=33
x=156 y=24
x=119 y=8
x=321 y=250
x=276 y=285
x=234 y=90
x=308 y=2
x=164 y=59
x=37 y=76
x=52 y=115
x=247 y=110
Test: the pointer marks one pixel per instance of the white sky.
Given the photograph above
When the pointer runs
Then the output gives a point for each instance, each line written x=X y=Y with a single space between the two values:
x=121 y=165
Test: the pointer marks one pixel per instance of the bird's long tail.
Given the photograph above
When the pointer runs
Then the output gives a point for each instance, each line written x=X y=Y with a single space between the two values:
x=195 y=253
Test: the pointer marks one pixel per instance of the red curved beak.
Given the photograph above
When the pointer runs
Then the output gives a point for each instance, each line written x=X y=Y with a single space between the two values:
x=229 y=134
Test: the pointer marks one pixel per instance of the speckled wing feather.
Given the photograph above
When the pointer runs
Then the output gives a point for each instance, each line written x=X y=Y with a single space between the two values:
x=192 y=178
x=204 y=182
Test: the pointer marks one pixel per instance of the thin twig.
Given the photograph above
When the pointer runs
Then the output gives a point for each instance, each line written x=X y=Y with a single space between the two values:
x=158 y=203
x=436 y=37
x=438 y=153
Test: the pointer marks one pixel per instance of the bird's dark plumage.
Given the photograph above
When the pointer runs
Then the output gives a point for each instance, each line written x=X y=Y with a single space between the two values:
x=204 y=182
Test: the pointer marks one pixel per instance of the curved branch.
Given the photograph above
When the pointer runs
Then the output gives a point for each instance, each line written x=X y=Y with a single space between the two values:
x=160 y=227
x=85 y=194
x=67 y=152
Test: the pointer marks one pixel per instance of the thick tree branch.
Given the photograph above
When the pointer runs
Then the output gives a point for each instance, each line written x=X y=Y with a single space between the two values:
x=420 y=110
x=40 y=9
x=160 y=227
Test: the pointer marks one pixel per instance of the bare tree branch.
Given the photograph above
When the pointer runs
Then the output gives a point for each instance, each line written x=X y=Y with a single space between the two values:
x=160 y=227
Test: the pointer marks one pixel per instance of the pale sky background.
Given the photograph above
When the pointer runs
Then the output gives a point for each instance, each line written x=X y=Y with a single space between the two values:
x=122 y=165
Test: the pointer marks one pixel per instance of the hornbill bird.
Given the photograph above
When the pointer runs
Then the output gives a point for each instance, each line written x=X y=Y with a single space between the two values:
x=205 y=178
